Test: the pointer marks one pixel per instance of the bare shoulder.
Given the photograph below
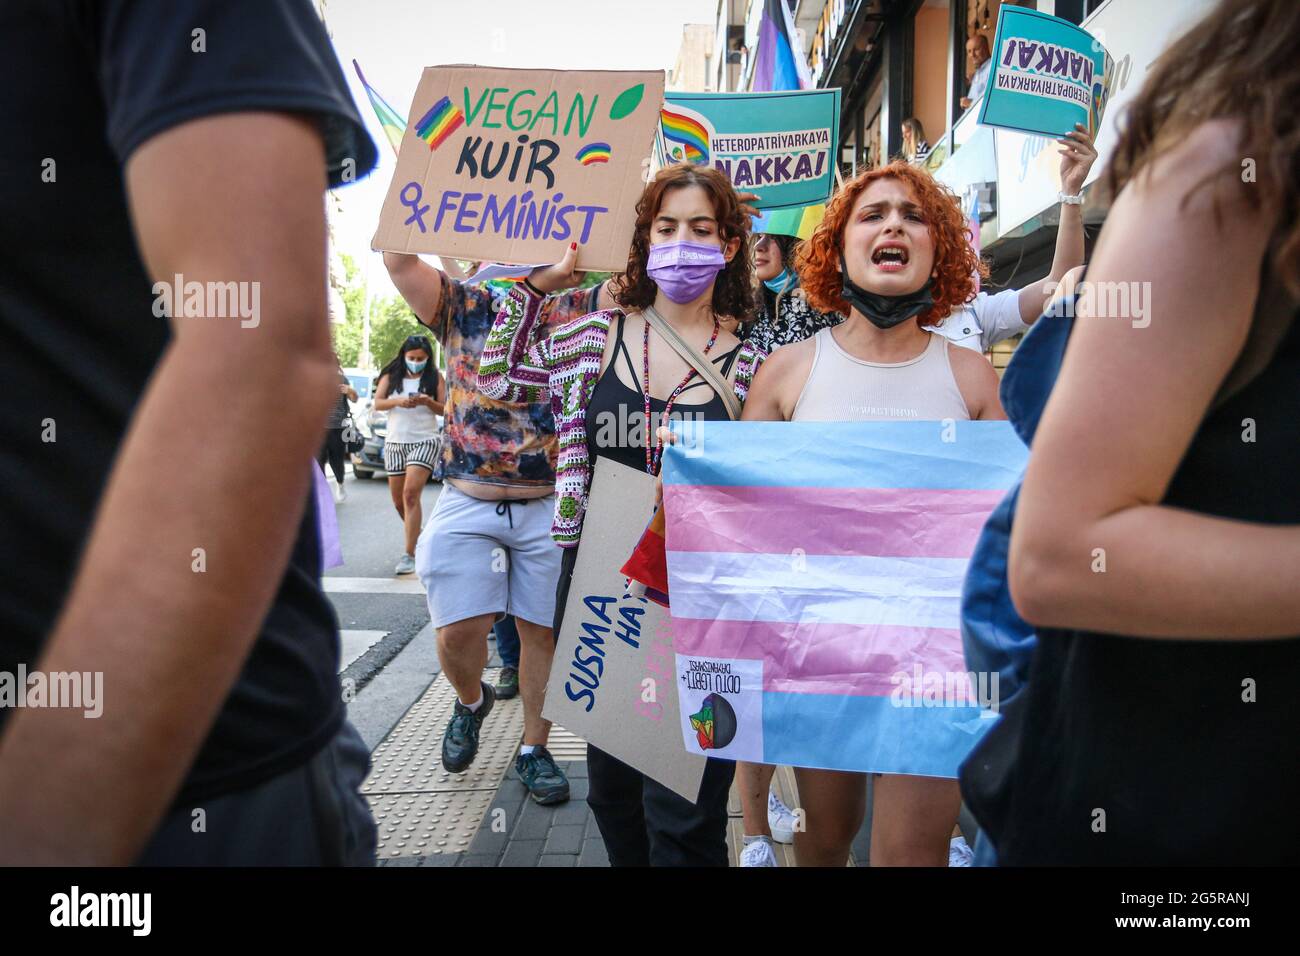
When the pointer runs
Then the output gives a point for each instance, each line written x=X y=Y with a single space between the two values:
x=794 y=360
x=1209 y=156
x=781 y=379
x=976 y=380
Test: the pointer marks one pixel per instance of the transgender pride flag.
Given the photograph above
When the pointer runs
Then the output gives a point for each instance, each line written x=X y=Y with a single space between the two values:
x=816 y=571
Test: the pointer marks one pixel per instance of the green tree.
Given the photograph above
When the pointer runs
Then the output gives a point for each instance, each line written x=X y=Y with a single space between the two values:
x=391 y=321
x=347 y=335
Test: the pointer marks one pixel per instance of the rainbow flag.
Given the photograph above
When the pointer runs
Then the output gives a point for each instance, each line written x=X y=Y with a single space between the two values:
x=647 y=566
x=816 y=574
x=685 y=133
x=790 y=222
x=389 y=119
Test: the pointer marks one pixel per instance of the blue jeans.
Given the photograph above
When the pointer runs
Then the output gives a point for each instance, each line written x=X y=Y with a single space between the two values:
x=507 y=641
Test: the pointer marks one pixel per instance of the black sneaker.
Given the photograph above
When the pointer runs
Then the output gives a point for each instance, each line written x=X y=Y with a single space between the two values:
x=507 y=685
x=545 y=781
x=460 y=742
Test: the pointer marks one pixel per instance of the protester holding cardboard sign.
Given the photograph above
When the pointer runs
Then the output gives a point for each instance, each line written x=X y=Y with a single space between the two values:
x=502 y=165
x=990 y=318
x=686 y=272
x=485 y=550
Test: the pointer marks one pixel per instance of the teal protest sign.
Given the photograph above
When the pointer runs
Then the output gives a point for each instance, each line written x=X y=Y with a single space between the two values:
x=1047 y=74
x=780 y=145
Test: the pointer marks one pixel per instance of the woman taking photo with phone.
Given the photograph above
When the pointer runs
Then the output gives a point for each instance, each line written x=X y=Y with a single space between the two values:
x=412 y=392
x=612 y=376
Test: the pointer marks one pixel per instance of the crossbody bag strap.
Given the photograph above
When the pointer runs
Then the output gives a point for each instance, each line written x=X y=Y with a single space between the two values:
x=693 y=358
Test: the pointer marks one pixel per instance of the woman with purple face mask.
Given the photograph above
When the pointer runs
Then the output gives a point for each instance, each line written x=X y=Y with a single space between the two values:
x=615 y=380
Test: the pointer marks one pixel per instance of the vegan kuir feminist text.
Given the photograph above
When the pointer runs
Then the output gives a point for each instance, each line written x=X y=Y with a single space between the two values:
x=503 y=164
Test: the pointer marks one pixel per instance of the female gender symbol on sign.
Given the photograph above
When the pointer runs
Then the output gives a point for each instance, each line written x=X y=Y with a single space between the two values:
x=413 y=203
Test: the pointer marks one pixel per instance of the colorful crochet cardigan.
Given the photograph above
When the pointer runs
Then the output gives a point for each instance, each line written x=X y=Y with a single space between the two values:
x=564 y=366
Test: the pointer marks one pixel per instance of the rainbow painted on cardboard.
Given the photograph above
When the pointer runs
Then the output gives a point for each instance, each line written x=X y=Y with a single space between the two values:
x=441 y=121
x=593 y=153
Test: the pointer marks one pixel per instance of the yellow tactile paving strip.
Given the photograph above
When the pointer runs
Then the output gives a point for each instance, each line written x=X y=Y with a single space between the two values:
x=564 y=745
x=423 y=809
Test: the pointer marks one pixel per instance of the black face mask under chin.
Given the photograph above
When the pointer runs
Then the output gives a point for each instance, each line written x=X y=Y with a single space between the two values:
x=885 y=311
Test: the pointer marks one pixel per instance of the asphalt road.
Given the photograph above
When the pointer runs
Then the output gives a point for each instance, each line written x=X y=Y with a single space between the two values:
x=379 y=612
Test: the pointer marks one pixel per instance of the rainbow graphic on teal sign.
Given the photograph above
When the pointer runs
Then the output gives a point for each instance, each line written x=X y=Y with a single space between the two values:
x=686 y=134
x=593 y=153
x=441 y=121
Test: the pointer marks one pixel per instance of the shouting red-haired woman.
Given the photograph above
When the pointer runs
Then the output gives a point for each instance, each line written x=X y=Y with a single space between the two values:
x=893 y=256
x=616 y=377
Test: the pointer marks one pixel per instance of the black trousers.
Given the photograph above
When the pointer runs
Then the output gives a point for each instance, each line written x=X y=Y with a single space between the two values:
x=334 y=451
x=312 y=815
x=642 y=822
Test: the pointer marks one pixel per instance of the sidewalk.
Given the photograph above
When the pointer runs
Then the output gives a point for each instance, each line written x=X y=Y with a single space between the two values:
x=430 y=817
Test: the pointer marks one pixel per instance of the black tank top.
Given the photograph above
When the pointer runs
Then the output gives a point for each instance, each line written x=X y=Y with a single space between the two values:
x=1161 y=735
x=616 y=413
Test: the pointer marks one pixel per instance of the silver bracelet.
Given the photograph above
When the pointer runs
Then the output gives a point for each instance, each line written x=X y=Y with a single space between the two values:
x=1067 y=199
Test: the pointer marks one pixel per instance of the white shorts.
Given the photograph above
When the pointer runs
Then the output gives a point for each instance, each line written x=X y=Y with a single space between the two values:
x=488 y=557
x=399 y=455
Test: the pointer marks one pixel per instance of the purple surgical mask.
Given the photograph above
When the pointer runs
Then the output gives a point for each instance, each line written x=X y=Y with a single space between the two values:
x=684 y=269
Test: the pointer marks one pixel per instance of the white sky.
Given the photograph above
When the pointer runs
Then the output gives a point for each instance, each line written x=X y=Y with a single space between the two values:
x=394 y=40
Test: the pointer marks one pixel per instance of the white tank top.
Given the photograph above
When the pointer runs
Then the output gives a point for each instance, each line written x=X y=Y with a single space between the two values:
x=841 y=388
x=407 y=425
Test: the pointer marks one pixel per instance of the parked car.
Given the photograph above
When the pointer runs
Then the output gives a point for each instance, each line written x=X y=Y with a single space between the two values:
x=370 y=460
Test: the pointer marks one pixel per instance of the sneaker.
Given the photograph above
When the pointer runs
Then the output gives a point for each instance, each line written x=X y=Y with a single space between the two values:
x=507 y=684
x=340 y=493
x=780 y=820
x=960 y=853
x=460 y=741
x=758 y=852
x=406 y=565
x=545 y=781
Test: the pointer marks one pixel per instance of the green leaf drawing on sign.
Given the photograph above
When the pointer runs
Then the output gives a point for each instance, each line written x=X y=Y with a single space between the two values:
x=627 y=101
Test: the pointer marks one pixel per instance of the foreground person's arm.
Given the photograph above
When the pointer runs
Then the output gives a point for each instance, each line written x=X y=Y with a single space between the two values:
x=234 y=197
x=1129 y=400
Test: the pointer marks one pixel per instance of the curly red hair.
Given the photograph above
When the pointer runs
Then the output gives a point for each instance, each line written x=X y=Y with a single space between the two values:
x=955 y=262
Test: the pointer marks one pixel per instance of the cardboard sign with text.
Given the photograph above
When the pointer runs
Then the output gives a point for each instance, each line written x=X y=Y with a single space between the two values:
x=613 y=681
x=780 y=145
x=1047 y=74
x=509 y=165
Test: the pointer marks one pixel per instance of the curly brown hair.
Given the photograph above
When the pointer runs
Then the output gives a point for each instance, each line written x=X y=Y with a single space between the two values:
x=733 y=291
x=955 y=262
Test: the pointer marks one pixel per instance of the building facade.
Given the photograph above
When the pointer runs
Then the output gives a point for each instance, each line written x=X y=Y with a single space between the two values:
x=895 y=59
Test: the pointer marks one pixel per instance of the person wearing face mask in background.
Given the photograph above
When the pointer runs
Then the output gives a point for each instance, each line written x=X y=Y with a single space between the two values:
x=783 y=315
x=412 y=392
x=892 y=253
x=687 y=263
